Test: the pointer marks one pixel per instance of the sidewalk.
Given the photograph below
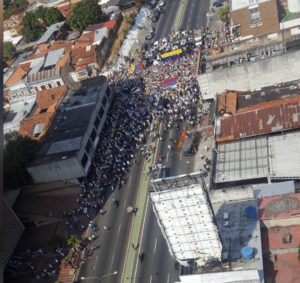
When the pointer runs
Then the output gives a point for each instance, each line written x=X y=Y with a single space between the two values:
x=138 y=220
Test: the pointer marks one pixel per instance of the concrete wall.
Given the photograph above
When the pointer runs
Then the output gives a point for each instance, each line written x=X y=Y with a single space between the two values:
x=59 y=170
x=253 y=75
x=91 y=125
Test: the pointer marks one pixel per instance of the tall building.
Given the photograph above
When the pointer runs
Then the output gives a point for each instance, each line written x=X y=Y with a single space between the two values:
x=69 y=145
x=12 y=229
x=255 y=17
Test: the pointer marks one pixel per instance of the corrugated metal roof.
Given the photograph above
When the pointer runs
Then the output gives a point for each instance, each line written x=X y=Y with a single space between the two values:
x=285 y=156
x=36 y=65
x=275 y=116
x=48 y=33
x=53 y=57
x=44 y=75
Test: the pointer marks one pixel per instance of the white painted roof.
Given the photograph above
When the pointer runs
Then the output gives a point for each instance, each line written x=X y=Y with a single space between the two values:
x=222 y=277
x=187 y=222
x=284 y=153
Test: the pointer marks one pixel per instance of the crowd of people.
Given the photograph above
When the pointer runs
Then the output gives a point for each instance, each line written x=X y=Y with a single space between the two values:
x=141 y=102
x=218 y=38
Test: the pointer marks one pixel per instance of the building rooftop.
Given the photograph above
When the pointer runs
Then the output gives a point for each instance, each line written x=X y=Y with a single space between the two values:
x=70 y=122
x=44 y=75
x=185 y=217
x=240 y=4
x=261 y=119
x=109 y=25
x=274 y=189
x=242 y=160
x=281 y=237
x=277 y=207
x=47 y=102
x=237 y=229
x=265 y=94
x=49 y=32
x=285 y=155
x=16 y=113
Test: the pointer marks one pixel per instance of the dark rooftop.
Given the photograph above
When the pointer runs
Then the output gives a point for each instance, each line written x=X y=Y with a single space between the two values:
x=71 y=121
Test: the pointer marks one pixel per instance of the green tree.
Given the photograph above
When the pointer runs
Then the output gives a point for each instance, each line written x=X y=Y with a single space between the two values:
x=85 y=13
x=18 y=153
x=73 y=240
x=32 y=30
x=41 y=12
x=224 y=13
x=9 y=51
x=53 y=15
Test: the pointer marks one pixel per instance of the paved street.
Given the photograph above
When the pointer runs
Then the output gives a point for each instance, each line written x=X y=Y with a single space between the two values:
x=111 y=255
x=194 y=16
x=158 y=265
x=190 y=14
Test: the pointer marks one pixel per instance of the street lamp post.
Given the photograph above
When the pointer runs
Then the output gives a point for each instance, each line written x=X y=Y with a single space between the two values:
x=100 y=278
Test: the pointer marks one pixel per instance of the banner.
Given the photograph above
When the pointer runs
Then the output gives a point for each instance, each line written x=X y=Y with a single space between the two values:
x=171 y=55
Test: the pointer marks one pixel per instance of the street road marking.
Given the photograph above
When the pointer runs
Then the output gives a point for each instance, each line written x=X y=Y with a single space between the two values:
x=129 y=181
x=180 y=156
x=151 y=278
x=146 y=205
x=125 y=203
x=95 y=263
x=120 y=228
x=155 y=245
x=168 y=278
x=171 y=133
x=167 y=157
x=112 y=260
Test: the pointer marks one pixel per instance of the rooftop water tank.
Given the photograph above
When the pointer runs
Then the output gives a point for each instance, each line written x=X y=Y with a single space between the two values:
x=294 y=6
x=247 y=253
x=251 y=212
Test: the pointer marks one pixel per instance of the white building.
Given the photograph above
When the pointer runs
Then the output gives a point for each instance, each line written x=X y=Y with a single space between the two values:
x=186 y=219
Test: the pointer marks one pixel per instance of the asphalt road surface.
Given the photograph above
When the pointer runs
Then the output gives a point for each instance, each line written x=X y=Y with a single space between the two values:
x=111 y=255
x=165 y=23
x=194 y=16
x=158 y=265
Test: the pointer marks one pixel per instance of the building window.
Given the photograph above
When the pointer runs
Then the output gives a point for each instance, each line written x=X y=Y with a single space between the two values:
x=93 y=135
x=43 y=87
x=58 y=83
x=36 y=88
x=254 y=16
x=84 y=160
x=101 y=112
x=88 y=146
x=97 y=122
x=108 y=92
x=49 y=85
x=104 y=101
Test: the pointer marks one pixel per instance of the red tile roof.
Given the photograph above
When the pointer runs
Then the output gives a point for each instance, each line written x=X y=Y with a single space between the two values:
x=46 y=104
x=277 y=207
x=109 y=25
x=264 y=118
x=18 y=74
